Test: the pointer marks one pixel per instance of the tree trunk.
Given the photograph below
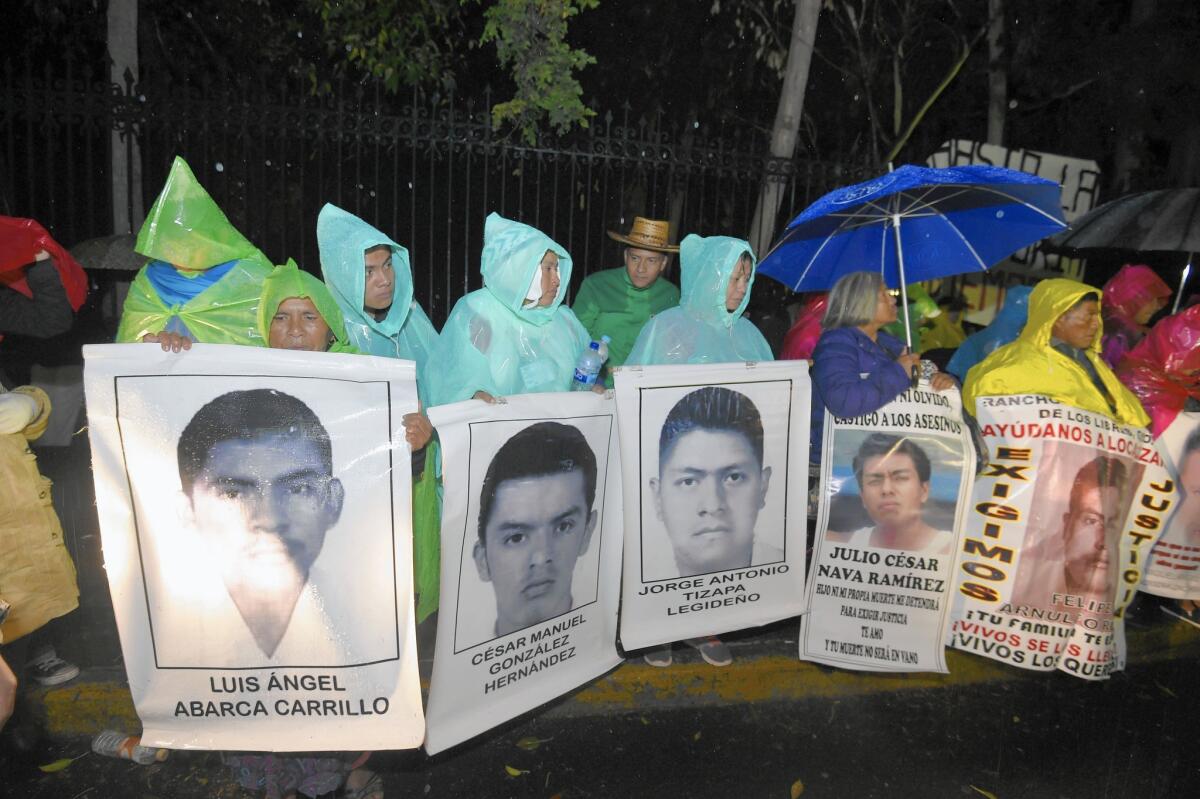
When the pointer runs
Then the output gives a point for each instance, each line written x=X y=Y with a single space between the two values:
x=787 y=122
x=125 y=157
x=997 y=74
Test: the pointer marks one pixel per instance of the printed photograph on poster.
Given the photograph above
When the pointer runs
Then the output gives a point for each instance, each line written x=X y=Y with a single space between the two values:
x=894 y=491
x=1069 y=556
x=263 y=542
x=713 y=478
x=531 y=546
x=1182 y=440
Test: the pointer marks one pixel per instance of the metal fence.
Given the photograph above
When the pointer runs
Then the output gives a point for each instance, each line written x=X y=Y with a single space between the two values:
x=425 y=168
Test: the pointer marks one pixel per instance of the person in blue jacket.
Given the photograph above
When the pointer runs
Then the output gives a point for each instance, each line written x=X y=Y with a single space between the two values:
x=1003 y=329
x=858 y=368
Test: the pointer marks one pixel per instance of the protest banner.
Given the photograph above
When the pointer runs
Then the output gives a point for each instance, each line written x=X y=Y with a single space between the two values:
x=897 y=485
x=255 y=514
x=1062 y=523
x=531 y=553
x=716 y=472
x=1174 y=567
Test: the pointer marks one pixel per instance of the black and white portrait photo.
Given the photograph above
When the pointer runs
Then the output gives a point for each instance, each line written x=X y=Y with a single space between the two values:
x=710 y=458
x=531 y=551
x=280 y=550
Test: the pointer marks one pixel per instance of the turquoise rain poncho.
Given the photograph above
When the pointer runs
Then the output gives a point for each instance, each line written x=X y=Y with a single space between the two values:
x=491 y=342
x=701 y=330
x=405 y=332
x=213 y=297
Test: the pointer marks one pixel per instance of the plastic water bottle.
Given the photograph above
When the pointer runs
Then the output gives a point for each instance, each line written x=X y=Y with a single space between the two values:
x=604 y=340
x=587 y=368
x=112 y=743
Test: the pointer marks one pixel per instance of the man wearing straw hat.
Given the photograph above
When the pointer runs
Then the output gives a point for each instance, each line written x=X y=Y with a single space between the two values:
x=618 y=302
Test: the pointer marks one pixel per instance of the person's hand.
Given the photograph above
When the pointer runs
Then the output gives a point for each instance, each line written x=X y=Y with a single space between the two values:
x=908 y=361
x=8 y=692
x=942 y=381
x=486 y=397
x=599 y=388
x=170 y=342
x=417 y=430
x=41 y=255
x=17 y=410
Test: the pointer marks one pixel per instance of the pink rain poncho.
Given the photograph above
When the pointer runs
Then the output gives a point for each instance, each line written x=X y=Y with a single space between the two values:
x=801 y=339
x=1164 y=369
x=1128 y=291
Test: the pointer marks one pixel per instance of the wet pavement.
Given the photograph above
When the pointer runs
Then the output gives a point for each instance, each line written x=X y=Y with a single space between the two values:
x=1033 y=735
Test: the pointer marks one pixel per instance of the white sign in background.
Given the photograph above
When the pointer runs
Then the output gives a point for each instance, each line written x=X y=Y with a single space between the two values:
x=714 y=538
x=528 y=606
x=219 y=660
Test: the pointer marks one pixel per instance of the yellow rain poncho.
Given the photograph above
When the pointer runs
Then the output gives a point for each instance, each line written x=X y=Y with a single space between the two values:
x=186 y=229
x=289 y=281
x=1030 y=365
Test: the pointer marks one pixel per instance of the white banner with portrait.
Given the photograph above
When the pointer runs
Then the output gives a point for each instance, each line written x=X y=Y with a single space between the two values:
x=1174 y=567
x=716 y=475
x=1061 y=527
x=896 y=487
x=531 y=557
x=255 y=513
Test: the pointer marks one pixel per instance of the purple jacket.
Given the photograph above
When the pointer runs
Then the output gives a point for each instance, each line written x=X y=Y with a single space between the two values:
x=853 y=375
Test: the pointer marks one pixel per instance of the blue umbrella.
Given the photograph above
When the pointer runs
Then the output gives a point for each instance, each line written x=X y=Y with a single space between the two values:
x=914 y=224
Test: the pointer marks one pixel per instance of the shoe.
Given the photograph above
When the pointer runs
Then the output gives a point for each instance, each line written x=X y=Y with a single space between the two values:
x=712 y=649
x=50 y=669
x=1192 y=617
x=659 y=657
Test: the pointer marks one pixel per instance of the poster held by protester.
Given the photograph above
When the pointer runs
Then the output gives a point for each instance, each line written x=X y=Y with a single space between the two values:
x=1060 y=530
x=898 y=482
x=531 y=557
x=1174 y=567
x=716 y=474
x=255 y=513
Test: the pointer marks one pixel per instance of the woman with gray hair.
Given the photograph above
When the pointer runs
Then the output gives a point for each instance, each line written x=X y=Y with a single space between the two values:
x=858 y=368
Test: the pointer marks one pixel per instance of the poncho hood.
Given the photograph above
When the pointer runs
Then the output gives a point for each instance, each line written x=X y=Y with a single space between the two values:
x=512 y=255
x=1030 y=365
x=185 y=227
x=1131 y=288
x=343 y=240
x=1163 y=370
x=288 y=281
x=706 y=264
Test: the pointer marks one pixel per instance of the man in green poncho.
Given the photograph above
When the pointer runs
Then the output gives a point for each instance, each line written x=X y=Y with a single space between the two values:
x=204 y=278
x=618 y=302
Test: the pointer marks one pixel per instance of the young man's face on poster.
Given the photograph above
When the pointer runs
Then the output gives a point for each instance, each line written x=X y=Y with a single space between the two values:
x=1088 y=528
x=710 y=488
x=892 y=491
x=1188 y=515
x=537 y=528
x=266 y=504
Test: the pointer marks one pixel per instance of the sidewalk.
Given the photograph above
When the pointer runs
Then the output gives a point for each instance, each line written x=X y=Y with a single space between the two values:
x=765 y=669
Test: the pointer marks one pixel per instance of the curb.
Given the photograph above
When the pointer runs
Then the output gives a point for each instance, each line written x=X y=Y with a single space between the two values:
x=100 y=699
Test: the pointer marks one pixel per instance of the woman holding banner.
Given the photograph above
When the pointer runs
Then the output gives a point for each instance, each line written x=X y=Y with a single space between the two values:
x=1057 y=355
x=716 y=274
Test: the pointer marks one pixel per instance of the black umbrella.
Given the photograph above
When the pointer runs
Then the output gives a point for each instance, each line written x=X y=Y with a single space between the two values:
x=1165 y=220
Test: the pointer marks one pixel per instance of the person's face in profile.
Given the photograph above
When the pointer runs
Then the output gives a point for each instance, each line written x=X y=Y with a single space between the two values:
x=735 y=291
x=536 y=530
x=708 y=495
x=298 y=325
x=892 y=491
x=1088 y=527
x=266 y=503
x=1188 y=515
x=1079 y=325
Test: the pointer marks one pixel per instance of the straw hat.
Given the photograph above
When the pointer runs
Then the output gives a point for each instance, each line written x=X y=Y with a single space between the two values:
x=647 y=234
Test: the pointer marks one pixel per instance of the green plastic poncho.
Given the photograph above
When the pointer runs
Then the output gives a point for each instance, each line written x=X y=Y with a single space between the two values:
x=921 y=308
x=1030 y=365
x=700 y=330
x=608 y=304
x=185 y=228
x=405 y=332
x=491 y=342
x=290 y=281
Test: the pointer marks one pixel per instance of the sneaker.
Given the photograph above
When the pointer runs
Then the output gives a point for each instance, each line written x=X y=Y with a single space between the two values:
x=50 y=669
x=1192 y=617
x=712 y=649
x=659 y=657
